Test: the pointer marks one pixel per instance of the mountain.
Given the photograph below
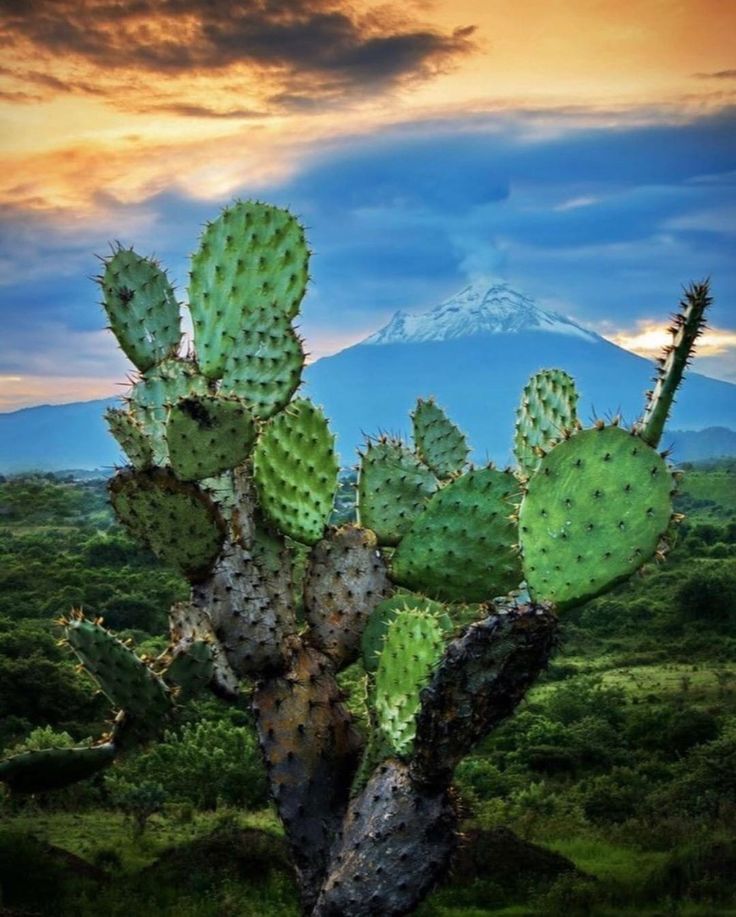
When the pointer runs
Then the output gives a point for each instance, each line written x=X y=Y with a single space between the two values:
x=483 y=307
x=54 y=437
x=473 y=352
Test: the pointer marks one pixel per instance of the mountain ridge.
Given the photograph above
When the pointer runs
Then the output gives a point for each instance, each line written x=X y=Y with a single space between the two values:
x=473 y=353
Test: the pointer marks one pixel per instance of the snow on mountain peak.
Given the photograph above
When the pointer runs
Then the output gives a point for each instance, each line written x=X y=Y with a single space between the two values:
x=488 y=306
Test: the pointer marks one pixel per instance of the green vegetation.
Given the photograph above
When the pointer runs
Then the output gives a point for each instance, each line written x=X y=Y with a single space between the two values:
x=623 y=758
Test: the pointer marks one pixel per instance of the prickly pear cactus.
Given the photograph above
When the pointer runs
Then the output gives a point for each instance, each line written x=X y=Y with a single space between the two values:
x=295 y=470
x=460 y=549
x=253 y=258
x=141 y=307
x=595 y=511
x=440 y=444
x=412 y=646
x=232 y=482
x=393 y=488
x=548 y=410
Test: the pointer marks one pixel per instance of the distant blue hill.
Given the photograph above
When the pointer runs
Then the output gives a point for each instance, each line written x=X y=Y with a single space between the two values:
x=473 y=352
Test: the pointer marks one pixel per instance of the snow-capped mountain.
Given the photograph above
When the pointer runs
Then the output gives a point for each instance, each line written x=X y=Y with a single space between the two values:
x=486 y=306
x=473 y=352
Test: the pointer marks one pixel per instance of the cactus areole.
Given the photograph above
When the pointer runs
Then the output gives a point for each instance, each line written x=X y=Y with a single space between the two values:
x=230 y=478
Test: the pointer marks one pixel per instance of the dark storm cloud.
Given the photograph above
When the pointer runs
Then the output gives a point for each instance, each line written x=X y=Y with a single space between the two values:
x=718 y=75
x=321 y=37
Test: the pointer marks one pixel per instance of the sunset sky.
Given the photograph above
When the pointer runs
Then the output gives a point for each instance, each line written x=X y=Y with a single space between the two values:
x=585 y=150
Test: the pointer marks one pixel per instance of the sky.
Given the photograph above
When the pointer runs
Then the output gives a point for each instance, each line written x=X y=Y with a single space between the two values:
x=583 y=150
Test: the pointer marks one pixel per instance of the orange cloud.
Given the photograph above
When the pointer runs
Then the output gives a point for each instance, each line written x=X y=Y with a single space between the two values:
x=649 y=337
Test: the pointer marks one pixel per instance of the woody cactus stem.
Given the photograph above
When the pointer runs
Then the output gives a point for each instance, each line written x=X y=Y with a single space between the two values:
x=686 y=327
x=232 y=482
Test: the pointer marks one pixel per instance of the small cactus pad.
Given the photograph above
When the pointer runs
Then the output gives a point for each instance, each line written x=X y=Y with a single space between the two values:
x=460 y=549
x=413 y=645
x=547 y=409
x=175 y=519
x=594 y=512
x=252 y=257
x=157 y=391
x=295 y=470
x=346 y=578
x=121 y=675
x=208 y=434
x=264 y=367
x=54 y=768
x=141 y=307
x=189 y=624
x=191 y=669
x=393 y=489
x=250 y=624
x=377 y=625
x=131 y=437
x=439 y=443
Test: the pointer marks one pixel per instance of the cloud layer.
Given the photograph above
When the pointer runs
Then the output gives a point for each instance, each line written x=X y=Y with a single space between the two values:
x=603 y=222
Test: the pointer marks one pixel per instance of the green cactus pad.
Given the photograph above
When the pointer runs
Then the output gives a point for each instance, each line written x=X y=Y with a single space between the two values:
x=131 y=437
x=141 y=307
x=384 y=613
x=191 y=669
x=121 y=675
x=54 y=768
x=593 y=513
x=252 y=257
x=156 y=392
x=264 y=366
x=175 y=519
x=393 y=489
x=439 y=443
x=295 y=470
x=460 y=549
x=412 y=646
x=548 y=408
x=208 y=434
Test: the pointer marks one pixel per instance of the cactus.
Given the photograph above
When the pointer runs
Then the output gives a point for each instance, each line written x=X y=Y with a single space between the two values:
x=393 y=488
x=208 y=434
x=440 y=444
x=227 y=472
x=548 y=409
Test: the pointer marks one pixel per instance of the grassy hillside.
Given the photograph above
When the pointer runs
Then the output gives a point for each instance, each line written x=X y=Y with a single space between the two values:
x=623 y=758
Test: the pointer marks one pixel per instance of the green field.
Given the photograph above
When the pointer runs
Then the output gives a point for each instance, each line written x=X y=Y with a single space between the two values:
x=622 y=759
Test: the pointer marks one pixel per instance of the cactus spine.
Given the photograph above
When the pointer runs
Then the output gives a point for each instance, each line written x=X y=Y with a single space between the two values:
x=228 y=471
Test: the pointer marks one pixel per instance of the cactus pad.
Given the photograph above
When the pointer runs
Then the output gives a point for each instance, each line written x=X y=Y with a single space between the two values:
x=384 y=613
x=208 y=434
x=393 y=489
x=131 y=437
x=412 y=647
x=189 y=624
x=252 y=257
x=593 y=513
x=141 y=307
x=191 y=669
x=264 y=366
x=121 y=675
x=460 y=549
x=54 y=768
x=157 y=391
x=346 y=578
x=548 y=408
x=295 y=469
x=439 y=443
x=176 y=520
